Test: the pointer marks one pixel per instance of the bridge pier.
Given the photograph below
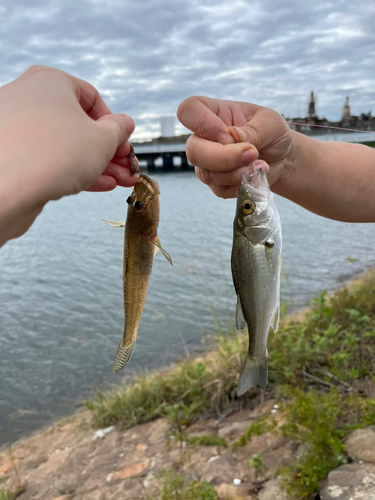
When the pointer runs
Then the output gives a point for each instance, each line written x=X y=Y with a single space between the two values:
x=150 y=163
x=184 y=162
x=168 y=161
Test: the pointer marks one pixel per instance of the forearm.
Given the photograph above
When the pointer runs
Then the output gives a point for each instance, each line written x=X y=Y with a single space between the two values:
x=20 y=203
x=334 y=180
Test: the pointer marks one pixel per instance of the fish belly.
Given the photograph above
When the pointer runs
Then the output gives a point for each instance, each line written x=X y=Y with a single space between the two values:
x=138 y=259
x=256 y=276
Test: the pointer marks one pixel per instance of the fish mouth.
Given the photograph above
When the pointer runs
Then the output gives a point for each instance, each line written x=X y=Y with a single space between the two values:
x=255 y=181
x=145 y=189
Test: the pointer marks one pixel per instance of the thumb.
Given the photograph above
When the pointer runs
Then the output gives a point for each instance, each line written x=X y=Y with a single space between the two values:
x=115 y=130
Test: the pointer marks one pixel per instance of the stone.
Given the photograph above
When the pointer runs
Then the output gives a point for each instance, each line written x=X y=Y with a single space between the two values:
x=271 y=490
x=158 y=431
x=141 y=447
x=55 y=461
x=219 y=469
x=131 y=470
x=8 y=467
x=350 y=482
x=127 y=490
x=361 y=444
x=234 y=430
x=226 y=491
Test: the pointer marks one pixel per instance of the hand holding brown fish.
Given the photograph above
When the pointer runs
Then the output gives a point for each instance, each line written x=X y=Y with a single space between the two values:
x=140 y=245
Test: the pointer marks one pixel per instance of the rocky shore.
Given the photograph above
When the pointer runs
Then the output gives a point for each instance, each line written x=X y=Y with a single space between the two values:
x=220 y=458
x=71 y=460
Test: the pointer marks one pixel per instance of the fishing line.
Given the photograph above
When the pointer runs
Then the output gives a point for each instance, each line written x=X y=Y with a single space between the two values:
x=321 y=126
x=87 y=99
x=331 y=127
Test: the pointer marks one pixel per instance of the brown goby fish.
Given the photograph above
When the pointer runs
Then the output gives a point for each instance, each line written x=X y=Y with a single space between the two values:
x=140 y=245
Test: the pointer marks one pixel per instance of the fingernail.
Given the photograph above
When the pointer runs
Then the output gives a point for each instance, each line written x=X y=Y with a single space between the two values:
x=238 y=134
x=130 y=125
x=248 y=156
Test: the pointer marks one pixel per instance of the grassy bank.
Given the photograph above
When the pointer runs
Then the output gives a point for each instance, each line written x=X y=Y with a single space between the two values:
x=321 y=369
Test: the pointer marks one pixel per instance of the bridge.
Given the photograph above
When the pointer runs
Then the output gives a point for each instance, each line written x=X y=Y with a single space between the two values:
x=169 y=153
x=166 y=153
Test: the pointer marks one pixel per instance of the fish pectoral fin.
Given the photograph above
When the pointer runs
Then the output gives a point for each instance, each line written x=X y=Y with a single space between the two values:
x=275 y=320
x=240 y=317
x=254 y=372
x=123 y=355
x=115 y=223
x=158 y=246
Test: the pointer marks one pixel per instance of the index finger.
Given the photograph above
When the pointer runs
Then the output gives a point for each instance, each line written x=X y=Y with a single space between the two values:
x=90 y=99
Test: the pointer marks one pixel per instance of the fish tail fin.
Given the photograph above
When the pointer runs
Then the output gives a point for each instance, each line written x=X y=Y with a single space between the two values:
x=254 y=372
x=123 y=355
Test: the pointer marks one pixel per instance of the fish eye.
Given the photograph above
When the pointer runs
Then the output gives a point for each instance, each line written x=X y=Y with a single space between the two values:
x=247 y=207
x=129 y=200
x=138 y=205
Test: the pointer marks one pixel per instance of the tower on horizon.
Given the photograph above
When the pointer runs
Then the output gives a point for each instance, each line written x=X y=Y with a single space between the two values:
x=346 y=109
x=311 y=114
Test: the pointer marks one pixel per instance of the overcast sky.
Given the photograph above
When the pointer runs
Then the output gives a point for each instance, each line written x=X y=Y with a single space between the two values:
x=145 y=57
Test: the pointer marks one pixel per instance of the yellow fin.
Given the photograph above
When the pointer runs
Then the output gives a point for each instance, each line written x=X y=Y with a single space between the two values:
x=158 y=246
x=115 y=223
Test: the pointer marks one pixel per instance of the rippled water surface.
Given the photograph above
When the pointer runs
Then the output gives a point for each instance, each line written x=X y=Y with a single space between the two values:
x=61 y=311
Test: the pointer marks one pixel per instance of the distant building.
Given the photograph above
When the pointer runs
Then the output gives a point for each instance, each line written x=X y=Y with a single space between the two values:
x=311 y=115
x=310 y=124
x=346 y=110
x=167 y=126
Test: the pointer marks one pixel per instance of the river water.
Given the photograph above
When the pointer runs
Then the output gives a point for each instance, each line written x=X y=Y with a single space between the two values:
x=61 y=311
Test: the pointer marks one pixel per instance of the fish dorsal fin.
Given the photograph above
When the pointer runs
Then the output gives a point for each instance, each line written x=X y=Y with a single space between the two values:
x=240 y=317
x=115 y=223
x=158 y=246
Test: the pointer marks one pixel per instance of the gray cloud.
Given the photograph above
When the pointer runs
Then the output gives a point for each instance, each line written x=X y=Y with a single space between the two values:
x=146 y=57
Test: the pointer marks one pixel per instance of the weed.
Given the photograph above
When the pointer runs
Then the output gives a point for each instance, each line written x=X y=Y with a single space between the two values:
x=176 y=488
x=261 y=426
x=256 y=462
x=65 y=489
x=5 y=494
x=180 y=415
x=206 y=441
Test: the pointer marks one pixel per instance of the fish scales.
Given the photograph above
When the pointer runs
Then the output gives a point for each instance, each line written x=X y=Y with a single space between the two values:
x=256 y=266
x=140 y=244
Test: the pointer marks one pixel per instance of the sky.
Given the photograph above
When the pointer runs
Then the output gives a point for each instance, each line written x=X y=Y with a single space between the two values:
x=145 y=57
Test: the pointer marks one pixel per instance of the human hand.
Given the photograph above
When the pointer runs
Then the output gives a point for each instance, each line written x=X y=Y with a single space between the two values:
x=57 y=138
x=229 y=136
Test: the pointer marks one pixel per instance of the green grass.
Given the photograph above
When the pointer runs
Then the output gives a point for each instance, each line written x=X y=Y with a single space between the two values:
x=206 y=441
x=191 y=388
x=261 y=426
x=370 y=144
x=318 y=370
x=319 y=421
x=176 y=488
x=5 y=494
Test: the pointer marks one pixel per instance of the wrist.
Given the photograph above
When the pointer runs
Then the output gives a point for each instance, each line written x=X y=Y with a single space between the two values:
x=294 y=172
x=19 y=199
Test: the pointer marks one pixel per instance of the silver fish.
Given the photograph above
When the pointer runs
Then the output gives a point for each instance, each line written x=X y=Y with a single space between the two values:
x=256 y=266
